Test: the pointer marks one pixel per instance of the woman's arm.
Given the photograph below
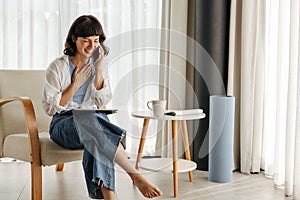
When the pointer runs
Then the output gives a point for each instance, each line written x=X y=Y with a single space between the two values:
x=67 y=94
x=99 y=80
x=59 y=88
x=52 y=88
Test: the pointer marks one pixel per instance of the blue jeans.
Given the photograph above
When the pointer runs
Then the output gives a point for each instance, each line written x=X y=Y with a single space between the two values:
x=99 y=138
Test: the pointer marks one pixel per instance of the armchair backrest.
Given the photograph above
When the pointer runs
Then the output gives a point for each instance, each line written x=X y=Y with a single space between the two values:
x=21 y=83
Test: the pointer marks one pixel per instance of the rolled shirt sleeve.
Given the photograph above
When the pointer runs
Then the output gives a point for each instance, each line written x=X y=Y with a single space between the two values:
x=53 y=87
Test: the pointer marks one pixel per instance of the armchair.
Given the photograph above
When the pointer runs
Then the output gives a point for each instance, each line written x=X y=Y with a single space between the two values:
x=24 y=135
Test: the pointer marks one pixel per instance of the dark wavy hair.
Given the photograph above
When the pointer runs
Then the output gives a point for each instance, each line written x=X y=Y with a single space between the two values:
x=84 y=26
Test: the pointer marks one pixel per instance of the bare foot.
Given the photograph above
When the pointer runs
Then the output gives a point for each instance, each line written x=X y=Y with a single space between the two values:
x=146 y=188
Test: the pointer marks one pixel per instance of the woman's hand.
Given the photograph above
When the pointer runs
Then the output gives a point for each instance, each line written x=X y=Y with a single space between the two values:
x=80 y=75
x=98 y=62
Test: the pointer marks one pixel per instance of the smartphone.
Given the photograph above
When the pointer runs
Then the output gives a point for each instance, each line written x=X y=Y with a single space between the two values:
x=96 y=54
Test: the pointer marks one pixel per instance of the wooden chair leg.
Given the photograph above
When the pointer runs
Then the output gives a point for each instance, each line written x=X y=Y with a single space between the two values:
x=59 y=167
x=36 y=182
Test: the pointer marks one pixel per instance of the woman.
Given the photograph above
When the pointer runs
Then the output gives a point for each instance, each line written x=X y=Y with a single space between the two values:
x=77 y=81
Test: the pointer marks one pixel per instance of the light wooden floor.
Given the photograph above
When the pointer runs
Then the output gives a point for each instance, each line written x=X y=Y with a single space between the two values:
x=70 y=185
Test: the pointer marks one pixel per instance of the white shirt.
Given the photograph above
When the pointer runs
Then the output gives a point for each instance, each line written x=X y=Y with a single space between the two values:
x=58 y=79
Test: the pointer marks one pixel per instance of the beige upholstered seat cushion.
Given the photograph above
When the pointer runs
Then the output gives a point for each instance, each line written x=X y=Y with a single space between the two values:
x=16 y=146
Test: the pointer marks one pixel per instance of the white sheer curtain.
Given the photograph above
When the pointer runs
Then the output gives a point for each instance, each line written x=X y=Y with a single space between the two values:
x=32 y=34
x=269 y=47
x=27 y=33
x=173 y=74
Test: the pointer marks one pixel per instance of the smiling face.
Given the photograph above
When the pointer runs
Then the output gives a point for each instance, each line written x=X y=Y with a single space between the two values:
x=86 y=45
x=84 y=36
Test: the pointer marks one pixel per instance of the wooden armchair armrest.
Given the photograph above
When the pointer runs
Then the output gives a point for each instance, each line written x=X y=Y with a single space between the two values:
x=31 y=125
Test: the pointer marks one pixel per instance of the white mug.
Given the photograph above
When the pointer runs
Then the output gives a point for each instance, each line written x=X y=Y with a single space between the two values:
x=158 y=107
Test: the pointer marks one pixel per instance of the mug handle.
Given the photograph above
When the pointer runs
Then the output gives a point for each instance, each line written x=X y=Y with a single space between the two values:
x=149 y=105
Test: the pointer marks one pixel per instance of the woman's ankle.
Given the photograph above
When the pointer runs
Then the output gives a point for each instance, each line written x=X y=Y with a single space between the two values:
x=108 y=194
x=134 y=175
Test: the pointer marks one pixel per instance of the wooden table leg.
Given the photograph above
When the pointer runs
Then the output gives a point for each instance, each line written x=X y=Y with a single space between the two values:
x=142 y=142
x=186 y=145
x=175 y=157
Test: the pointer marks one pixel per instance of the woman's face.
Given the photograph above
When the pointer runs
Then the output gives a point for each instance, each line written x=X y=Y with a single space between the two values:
x=86 y=45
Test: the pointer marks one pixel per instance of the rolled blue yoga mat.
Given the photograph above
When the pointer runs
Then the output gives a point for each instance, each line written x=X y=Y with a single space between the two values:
x=221 y=128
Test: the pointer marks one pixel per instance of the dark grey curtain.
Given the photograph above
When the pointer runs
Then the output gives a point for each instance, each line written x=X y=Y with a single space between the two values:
x=211 y=31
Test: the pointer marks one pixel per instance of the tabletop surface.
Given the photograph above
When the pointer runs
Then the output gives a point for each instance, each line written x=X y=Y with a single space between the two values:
x=189 y=114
